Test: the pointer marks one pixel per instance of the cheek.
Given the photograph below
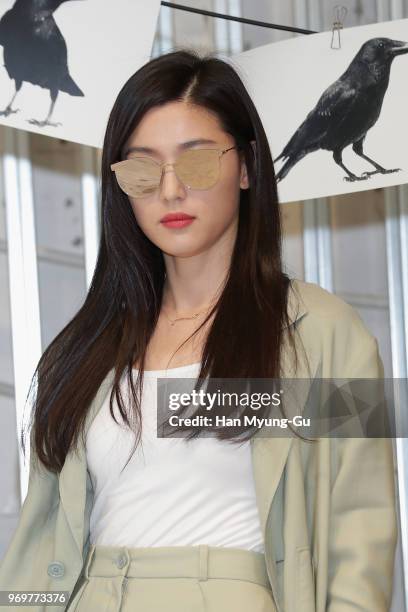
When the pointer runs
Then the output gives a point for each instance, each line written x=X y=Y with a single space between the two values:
x=216 y=211
x=224 y=196
x=141 y=211
x=230 y=181
x=145 y=218
x=136 y=207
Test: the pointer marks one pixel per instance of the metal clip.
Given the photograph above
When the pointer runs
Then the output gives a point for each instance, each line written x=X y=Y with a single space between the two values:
x=339 y=14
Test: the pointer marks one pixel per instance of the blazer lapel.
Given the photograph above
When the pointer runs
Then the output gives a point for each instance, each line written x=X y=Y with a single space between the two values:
x=269 y=454
x=73 y=475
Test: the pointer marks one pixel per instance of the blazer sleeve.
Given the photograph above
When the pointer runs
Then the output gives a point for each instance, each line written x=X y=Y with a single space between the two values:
x=363 y=519
x=19 y=564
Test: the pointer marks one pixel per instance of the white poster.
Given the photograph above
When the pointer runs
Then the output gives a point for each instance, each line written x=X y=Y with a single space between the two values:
x=63 y=62
x=336 y=119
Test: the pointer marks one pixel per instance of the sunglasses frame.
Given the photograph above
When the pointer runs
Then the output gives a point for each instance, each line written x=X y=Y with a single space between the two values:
x=162 y=166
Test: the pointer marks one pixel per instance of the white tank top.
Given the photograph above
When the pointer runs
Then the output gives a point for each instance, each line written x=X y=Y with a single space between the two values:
x=172 y=492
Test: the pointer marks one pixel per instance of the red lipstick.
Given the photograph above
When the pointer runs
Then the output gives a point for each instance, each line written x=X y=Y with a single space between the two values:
x=178 y=219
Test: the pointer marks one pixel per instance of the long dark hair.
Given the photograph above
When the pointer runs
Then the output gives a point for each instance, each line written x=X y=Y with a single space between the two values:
x=112 y=328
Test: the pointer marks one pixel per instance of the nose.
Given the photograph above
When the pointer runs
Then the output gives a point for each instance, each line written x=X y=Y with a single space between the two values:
x=171 y=187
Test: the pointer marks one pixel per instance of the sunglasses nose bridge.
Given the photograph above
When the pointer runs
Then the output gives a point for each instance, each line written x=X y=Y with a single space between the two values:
x=165 y=171
x=165 y=164
x=172 y=167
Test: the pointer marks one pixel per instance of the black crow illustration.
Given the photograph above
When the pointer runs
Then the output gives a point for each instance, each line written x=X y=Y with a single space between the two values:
x=35 y=51
x=347 y=109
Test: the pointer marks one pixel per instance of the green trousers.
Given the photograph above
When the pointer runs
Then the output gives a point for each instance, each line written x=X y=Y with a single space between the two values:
x=172 y=579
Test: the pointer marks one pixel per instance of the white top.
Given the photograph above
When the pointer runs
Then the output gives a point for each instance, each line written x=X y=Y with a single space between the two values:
x=172 y=492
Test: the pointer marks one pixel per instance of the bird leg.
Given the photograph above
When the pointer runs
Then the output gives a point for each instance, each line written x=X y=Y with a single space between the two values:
x=358 y=148
x=8 y=110
x=46 y=120
x=337 y=156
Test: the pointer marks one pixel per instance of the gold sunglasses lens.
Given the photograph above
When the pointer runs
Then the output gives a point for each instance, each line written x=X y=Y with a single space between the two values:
x=198 y=168
x=138 y=177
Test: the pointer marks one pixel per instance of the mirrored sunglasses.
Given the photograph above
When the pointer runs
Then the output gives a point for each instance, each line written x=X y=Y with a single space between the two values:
x=199 y=169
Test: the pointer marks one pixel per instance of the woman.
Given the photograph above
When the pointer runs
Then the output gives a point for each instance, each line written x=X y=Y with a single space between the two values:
x=189 y=283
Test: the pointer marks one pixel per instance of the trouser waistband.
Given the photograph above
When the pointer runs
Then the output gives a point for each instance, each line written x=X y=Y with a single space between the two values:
x=202 y=562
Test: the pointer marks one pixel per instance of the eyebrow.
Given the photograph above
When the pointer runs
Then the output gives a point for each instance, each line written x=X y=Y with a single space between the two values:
x=181 y=146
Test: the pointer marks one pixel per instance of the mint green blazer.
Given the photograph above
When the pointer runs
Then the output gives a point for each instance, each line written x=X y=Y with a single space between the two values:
x=327 y=509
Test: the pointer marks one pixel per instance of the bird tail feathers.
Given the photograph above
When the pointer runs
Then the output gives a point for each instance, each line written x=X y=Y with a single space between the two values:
x=70 y=87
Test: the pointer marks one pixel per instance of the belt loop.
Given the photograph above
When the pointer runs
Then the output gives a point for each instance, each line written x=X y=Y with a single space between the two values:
x=88 y=561
x=203 y=562
x=128 y=559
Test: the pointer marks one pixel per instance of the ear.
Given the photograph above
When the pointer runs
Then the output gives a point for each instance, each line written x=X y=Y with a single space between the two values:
x=244 y=181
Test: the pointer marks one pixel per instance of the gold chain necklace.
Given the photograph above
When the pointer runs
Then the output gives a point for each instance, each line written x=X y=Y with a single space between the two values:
x=194 y=316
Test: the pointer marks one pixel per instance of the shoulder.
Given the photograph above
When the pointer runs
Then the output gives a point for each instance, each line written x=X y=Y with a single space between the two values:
x=326 y=308
x=332 y=328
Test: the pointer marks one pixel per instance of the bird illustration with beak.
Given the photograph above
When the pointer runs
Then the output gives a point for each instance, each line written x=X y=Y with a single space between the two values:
x=347 y=109
x=35 y=51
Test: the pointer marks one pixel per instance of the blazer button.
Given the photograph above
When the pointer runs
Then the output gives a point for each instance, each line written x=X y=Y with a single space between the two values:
x=56 y=569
